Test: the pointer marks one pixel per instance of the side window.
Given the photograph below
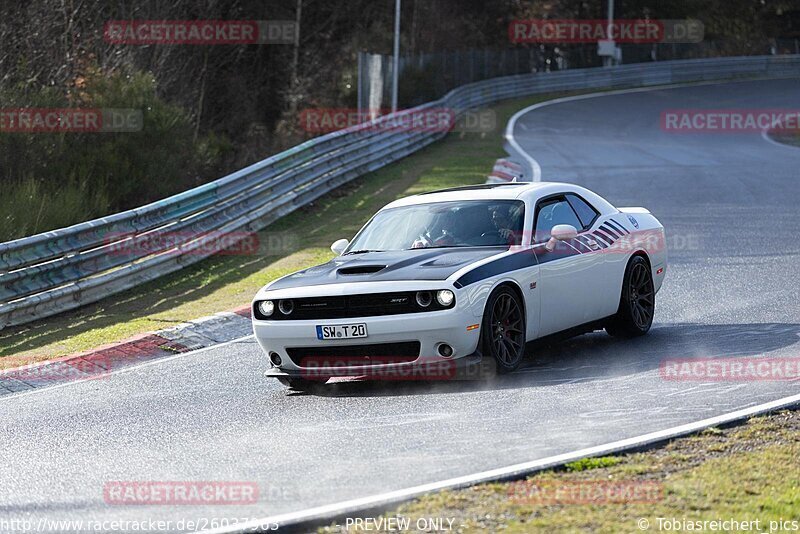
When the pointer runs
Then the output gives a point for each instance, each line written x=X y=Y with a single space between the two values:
x=550 y=213
x=586 y=213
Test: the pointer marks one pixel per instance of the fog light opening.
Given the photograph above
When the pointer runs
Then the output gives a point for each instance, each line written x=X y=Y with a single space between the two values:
x=445 y=350
x=275 y=359
x=424 y=299
x=286 y=306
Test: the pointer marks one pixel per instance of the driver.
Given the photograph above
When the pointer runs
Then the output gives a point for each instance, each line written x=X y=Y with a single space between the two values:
x=448 y=226
x=502 y=223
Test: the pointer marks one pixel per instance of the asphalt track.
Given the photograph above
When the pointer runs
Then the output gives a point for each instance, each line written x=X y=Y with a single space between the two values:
x=730 y=205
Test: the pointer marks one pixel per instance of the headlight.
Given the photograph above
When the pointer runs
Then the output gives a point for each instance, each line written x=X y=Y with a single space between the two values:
x=445 y=297
x=286 y=306
x=266 y=307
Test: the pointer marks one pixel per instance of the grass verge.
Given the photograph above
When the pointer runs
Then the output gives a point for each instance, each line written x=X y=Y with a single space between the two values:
x=745 y=473
x=791 y=138
x=227 y=282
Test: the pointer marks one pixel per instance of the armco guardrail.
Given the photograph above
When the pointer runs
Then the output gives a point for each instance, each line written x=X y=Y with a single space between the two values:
x=56 y=271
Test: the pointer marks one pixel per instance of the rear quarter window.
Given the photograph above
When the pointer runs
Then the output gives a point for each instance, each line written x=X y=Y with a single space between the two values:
x=586 y=213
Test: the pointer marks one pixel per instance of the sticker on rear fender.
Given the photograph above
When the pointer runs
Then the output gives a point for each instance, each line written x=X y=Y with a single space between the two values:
x=342 y=331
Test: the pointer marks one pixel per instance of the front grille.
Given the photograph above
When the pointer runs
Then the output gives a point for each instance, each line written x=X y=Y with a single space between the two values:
x=350 y=306
x=354 y=355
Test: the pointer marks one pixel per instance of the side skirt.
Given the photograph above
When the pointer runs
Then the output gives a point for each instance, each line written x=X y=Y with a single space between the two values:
x=563 y=335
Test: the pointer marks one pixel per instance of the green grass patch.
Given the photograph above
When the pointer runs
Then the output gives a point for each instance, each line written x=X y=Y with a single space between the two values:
x=585 y=464
x=227 y=282
x=787 y=138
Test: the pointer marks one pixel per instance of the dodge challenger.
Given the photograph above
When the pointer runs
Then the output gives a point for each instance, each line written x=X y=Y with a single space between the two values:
x=438 y=282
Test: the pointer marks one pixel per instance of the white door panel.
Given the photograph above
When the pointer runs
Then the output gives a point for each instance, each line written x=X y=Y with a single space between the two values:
x=528 y=280
x=567 y=288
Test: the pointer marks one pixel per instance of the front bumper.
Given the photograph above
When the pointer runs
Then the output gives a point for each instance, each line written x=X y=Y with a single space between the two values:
x=471 y=367
x=429 y=329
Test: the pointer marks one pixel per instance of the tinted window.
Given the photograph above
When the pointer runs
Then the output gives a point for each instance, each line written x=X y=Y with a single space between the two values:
x=551 y=213
x=585 y=212
x=467 y=223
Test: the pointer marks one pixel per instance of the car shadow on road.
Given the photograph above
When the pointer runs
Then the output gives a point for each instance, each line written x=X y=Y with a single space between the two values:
x=595 y=356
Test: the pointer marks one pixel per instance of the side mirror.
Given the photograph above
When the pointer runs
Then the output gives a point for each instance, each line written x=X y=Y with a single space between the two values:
x=339 y=246
x=560 y=232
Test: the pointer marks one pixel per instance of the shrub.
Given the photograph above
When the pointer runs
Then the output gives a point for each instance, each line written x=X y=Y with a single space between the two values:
x=51 y=180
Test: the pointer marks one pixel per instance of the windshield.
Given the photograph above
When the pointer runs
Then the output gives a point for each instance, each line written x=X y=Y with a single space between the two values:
x=463 y=223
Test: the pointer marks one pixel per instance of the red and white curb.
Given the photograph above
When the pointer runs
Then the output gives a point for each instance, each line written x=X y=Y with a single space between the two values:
x=97 y=363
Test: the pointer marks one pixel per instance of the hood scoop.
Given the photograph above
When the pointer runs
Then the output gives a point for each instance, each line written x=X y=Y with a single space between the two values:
x=361 y=269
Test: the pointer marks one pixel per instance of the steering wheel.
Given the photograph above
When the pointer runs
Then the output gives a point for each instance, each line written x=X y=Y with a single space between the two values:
x=421 y=241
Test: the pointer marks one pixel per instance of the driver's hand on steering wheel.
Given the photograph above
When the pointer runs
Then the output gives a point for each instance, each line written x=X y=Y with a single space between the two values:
x=505 y=233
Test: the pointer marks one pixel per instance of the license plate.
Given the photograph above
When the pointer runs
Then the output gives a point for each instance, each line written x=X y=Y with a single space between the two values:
x=342 y=331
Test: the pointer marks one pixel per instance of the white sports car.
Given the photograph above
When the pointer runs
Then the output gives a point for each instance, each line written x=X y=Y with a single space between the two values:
x=436 y=283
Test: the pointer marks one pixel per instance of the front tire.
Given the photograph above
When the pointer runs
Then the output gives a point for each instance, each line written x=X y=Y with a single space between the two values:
x=503 y=330
x=637 y=303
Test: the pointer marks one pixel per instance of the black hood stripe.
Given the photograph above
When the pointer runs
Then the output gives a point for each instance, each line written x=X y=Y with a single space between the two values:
x=523 y=259
x=512 y=262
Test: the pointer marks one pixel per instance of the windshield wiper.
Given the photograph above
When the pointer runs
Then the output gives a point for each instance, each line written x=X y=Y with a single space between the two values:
x=440 y=246
x=362 y=251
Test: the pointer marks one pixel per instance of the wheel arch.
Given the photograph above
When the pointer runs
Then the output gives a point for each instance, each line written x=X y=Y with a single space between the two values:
x=638 y=252
x=643 y=254
x=623 y=323
x=514 y=286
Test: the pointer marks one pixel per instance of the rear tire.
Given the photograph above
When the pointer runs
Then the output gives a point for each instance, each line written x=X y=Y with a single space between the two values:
x=637 y=303
x=503 y=330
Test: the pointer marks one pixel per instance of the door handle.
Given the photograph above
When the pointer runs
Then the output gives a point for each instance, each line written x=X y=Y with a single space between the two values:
x=592 y=244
